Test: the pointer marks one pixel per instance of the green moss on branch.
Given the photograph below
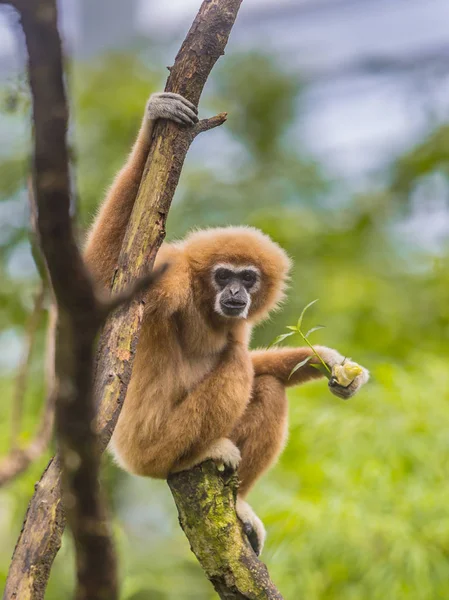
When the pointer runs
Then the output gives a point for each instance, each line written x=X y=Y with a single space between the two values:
x=205 y=498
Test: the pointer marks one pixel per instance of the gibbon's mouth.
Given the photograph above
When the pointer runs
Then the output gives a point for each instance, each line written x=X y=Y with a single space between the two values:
x=233 y=308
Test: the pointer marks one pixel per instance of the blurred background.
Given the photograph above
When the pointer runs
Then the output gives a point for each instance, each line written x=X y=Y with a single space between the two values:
x=337 y=145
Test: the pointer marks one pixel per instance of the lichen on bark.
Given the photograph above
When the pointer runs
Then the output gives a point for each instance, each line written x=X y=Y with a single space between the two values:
x=205 y=497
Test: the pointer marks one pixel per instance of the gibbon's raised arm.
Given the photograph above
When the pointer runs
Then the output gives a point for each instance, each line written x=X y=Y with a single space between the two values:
x=108 y=230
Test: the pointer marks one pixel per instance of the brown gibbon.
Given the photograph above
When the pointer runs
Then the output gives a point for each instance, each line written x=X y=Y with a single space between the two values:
x=197 y=391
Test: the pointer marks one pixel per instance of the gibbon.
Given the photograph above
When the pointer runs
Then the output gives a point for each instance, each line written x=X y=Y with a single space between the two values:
x=197 y=391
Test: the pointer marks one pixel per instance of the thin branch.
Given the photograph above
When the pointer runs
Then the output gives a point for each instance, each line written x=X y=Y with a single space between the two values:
x=79 y=316
x=206 y=124
x=24 y=367
x=124 y=299
x=19 y=459
x=77 y=307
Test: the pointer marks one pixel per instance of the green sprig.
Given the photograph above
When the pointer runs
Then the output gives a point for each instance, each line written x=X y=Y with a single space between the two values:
x=297 y=329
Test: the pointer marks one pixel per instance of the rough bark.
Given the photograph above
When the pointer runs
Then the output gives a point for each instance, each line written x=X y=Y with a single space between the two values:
x=205 y=497
x=39 y=540
x=80 y=313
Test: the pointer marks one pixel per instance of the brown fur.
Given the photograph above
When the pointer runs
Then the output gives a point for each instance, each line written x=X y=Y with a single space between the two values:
x=195 y=381
x=193 y=373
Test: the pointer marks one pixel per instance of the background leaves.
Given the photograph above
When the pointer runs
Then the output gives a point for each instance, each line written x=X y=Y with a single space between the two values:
x=357 y=505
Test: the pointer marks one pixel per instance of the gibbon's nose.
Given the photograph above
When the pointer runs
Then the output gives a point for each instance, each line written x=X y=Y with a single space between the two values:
x=234 y=289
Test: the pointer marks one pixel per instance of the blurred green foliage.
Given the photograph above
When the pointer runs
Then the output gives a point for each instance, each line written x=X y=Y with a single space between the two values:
x=356 y=507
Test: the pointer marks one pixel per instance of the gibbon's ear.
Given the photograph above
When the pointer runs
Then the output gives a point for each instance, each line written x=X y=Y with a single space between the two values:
x=172 y=292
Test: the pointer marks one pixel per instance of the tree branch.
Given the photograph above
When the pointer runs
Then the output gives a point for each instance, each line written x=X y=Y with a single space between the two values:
x=205 y=497
x=19 y=459
x=205 y=42
x=80 y=315
x=77 y=306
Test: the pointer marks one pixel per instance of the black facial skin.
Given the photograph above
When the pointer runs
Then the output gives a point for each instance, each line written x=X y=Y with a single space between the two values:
x=235 y=288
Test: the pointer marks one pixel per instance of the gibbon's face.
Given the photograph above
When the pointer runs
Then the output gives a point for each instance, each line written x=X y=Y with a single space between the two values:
x=235 y=287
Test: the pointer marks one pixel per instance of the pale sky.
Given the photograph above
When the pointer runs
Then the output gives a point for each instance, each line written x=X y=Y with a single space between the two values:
x=352 y=122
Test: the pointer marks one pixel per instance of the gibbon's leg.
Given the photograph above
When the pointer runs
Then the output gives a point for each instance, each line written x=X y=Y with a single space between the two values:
x=106 y=235
x=198 y=427
x=261 y=433
x=260 y=436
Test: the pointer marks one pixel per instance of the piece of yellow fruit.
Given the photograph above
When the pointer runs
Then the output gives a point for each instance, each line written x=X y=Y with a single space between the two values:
x=346 y=373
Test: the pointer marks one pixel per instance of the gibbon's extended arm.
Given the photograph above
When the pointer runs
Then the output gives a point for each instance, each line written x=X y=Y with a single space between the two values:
x=106 y=235
x=279 y=363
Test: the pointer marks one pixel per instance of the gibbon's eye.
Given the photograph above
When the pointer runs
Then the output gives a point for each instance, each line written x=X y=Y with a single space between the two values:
x=222 y=275
x=249 y=277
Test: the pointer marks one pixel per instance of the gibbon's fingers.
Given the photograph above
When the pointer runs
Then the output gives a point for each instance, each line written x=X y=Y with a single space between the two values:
x=180 y=117
x=177 y=120
x=179 y=97
x=348 y=391
x=185 y=112
x=170 y=111
x=161 y=107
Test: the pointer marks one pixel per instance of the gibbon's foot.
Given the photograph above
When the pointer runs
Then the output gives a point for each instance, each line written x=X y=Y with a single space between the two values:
x=165 y=105
x=252 y=525
x=332 y=358
x=222 y=451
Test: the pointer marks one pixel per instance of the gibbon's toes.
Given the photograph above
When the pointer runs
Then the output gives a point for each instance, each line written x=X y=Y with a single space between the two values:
x=251 y=534
x=224 y=451
x=348 y=391
x=174 y=107
x=252 y=525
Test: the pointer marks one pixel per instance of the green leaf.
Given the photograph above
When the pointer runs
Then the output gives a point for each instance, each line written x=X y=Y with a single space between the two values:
x=319 y=367
x=299 y=365
x=280 y=338
x=301 y=316
x=292 y=327
x=314 y=329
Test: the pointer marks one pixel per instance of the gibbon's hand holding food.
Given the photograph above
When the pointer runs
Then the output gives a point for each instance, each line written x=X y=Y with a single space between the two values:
x=197 y=391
